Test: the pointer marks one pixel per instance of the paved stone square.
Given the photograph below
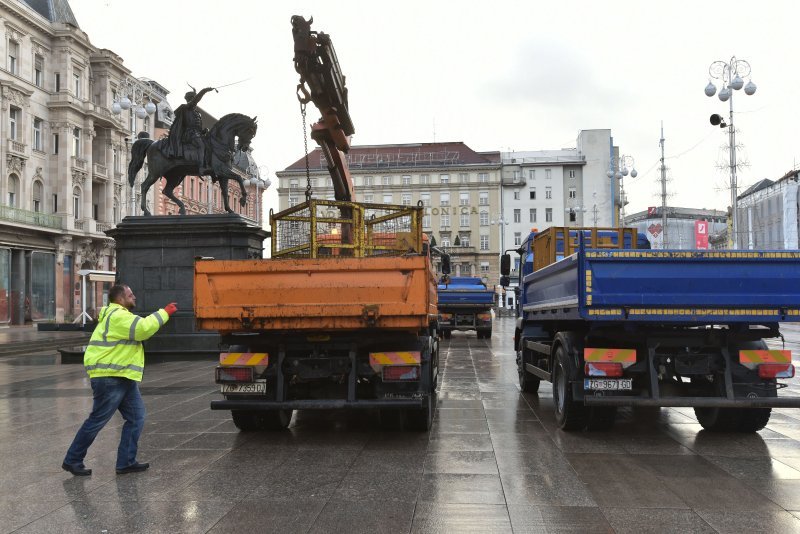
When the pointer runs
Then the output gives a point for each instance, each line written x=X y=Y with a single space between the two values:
x=493 y=462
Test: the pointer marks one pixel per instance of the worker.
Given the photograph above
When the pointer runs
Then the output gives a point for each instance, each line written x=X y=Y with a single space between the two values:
x=114 y=360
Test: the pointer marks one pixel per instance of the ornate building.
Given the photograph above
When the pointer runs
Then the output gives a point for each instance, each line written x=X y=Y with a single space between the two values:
x=63 y=158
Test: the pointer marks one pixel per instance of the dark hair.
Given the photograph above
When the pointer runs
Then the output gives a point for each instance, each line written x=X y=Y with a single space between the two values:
x=116 y=292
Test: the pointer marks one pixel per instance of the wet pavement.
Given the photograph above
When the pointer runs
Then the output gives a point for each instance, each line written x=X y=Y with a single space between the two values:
x=493 y=462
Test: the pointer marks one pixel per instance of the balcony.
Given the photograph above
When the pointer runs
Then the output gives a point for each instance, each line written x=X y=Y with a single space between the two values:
x=7 y=213
x=455 y=251
x=79 y=163
x=15 y=147
x=103 y=227
x=100 y=171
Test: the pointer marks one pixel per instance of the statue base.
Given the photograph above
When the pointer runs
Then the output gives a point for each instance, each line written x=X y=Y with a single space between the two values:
x=155 y=257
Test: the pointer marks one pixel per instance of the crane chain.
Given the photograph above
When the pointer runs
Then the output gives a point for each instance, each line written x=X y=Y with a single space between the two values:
x=305 y=144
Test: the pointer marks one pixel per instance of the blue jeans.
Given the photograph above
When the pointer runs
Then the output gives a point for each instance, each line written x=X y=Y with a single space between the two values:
x=111 y=393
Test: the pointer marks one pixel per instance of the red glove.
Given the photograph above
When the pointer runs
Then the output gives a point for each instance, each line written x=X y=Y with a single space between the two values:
x=171 y=308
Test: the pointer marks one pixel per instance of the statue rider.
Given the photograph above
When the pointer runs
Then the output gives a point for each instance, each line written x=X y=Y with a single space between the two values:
x=186 y=133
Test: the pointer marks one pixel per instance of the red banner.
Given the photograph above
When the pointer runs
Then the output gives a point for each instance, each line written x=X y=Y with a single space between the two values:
x=701 y=234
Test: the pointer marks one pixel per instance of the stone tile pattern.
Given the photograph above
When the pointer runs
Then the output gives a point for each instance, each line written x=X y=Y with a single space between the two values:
x=493 y=462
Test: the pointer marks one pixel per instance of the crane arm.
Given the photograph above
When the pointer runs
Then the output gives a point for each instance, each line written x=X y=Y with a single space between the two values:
x=322 y=82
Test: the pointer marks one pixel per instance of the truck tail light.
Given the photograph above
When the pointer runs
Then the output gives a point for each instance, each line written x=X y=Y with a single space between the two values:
x=445 y=316
x=396 y=373
x=776 y=370
x=234 y=374
x=603 y=369
x=485 y=316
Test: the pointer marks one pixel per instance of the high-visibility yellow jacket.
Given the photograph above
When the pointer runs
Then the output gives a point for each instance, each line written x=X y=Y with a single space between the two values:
x=115 y=348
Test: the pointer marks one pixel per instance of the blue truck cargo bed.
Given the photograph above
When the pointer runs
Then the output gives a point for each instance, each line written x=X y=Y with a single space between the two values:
x=463 y=291
x=675 y=286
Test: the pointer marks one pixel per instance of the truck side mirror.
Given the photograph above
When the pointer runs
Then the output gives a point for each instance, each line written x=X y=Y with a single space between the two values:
x=446 y=264
x=505 y=264
x=505 y=281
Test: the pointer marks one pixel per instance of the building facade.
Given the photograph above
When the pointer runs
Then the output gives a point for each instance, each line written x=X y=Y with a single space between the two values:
x=459 y=187
x=767 y=215
x=682 y=228
x=63 y=159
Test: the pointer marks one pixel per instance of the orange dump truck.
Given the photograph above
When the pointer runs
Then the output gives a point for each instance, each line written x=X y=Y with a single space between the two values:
x=343 y=315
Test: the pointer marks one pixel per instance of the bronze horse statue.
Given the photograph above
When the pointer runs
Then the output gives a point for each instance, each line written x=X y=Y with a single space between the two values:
x=221 y=143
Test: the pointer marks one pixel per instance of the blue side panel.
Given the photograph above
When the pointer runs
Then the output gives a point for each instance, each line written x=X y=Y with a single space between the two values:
x=690 y=286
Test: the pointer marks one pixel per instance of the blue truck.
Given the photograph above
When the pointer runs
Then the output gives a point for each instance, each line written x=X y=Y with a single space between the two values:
x=611 y=323
x=465 y=303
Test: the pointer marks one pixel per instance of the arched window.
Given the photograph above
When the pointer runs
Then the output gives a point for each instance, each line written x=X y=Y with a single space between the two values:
x=13 y=190
x=76 y=203
x=38 y=195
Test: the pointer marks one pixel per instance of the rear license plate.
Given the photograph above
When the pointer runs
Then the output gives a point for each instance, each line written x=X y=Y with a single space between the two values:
x=608 y=384
x=251 y=387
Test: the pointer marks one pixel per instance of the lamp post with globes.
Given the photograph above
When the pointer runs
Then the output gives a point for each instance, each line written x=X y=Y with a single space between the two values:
x=732 y=74
x=260 y=185
x=621 y=171
x=501 y=224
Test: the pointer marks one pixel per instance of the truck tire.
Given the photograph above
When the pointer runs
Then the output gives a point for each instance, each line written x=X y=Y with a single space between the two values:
x=747 y=420
x=570 y=415
x=528 y=382
x=256 y=420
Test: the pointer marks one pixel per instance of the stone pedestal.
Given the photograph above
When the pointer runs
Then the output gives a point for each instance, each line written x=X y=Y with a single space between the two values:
x=155 y=257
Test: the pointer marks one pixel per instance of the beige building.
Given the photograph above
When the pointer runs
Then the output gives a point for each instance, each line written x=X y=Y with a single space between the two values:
x=63 y=158
x=459 y=187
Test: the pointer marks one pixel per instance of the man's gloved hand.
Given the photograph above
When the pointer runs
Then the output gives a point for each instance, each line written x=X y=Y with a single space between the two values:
x=171 y=308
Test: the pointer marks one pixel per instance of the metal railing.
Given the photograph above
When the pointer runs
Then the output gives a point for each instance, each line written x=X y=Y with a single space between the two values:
x=8 y=213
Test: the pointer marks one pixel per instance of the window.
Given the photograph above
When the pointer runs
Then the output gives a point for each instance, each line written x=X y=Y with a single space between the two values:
x=533 y=193
x=444 y=199
x=464 y=222
x=517 y=215
x=444 y=222
x=368 y=197
x=445 y=241
x=55 y=143
x=76 y=203
x=329 y=182
x=573 y=193
x=532 y=174
x=483 y=177
x=485 y=266
x=406 y=179
x=548 y=173
x=386 y=180
x=426 y=221
x=37 y=195
x=76 y=142
x=369 y=180
x=464 y=240
x=293 y=183
x=57 y=80
x=292 y=202
x=13 y=57
x=95 y=211
x=424 y=179
x=313 y=183
x=425 y=198
x=463 y=178
x=548 y=214
x=13 y=123
x=573 y=216
x=387 y=198
x=484 y=218
x=548 y=192
x=13 y=189
x=38 y=71
x=463 y=198
x=517 y=239
x=405 y=199
x=484 y=245
x=483 y=198
x=37 y=133
x=517 y=176
x=572 y=174
x=76 y=85
x=55 y=203
x=516 y=194
x=532 y=215
x=444 y=178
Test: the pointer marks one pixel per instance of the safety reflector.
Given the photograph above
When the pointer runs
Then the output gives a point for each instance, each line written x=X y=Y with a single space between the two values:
x=485 y=316
x=244 y=358
x=393 y=373
x=394 y=358
x=603 y=369
x=765 y=356
x=626 y=357
x=445 y=316
x=776 y=370
x=234 y=374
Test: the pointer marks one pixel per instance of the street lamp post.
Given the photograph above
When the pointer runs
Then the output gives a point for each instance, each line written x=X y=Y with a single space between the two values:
x=732 y=74
x=621 y=171
x=501 y=224
x=261 y=185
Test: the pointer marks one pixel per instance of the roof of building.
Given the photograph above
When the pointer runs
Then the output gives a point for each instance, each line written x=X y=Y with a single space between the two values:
x=54 y=10
x=758 y=186
x=403 y=156
x=674 y=212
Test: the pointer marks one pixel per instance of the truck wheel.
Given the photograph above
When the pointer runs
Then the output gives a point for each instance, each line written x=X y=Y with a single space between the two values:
x=256 y=420
x=421 y=419
x=446 y=334
x=276 y=419
x=528 y=382
x=570 y=415
x=245 y=420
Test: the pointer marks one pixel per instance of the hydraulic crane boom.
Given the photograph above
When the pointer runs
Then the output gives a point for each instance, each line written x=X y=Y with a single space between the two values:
x=322 y=82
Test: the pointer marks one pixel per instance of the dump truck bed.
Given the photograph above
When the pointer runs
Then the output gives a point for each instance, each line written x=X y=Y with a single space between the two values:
x=395 y=293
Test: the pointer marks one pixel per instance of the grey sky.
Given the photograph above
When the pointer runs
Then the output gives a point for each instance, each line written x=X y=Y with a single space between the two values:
x=497 y=75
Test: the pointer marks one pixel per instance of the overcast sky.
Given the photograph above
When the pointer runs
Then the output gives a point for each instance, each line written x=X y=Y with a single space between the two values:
x=501 y=75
